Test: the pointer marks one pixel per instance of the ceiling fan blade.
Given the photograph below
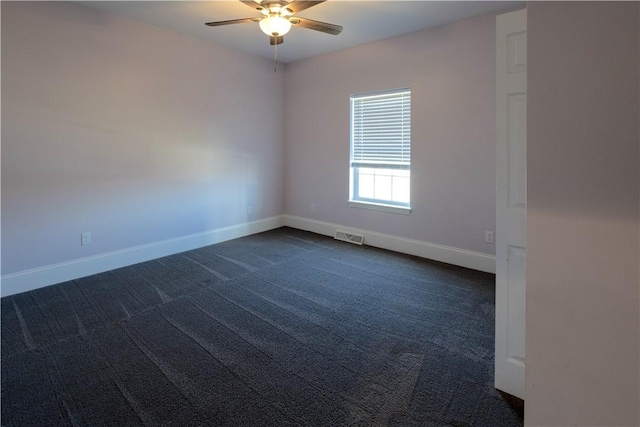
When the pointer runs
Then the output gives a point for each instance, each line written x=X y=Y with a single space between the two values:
x=252 y=4
x=232 y=21
x=297 y=5
x=316 y=25
x=273 y=40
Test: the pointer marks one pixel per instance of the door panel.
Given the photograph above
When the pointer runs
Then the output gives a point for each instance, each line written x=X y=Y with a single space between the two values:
x=515 y=307
x=517 y=152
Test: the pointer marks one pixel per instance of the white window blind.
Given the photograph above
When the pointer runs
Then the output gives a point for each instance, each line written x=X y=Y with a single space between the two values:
x=381 y=130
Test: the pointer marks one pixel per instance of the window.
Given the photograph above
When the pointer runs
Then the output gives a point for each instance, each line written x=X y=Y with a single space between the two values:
x=381 y=150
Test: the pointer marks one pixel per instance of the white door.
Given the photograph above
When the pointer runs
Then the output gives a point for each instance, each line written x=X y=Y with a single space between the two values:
x=511 y=198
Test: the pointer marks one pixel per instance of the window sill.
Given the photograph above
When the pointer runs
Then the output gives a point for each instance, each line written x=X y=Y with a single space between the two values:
x=380 y=207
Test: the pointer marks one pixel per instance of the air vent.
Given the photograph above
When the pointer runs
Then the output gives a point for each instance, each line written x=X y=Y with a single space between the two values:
x=346 y=236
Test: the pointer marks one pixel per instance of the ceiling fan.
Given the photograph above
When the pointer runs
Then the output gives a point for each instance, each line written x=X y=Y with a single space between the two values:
x=278 y=17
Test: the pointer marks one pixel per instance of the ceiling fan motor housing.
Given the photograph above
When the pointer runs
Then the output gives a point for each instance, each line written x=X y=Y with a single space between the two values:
x=275 y=7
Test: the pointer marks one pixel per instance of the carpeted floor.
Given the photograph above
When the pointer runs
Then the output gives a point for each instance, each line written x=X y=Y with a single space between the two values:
x=283 y=328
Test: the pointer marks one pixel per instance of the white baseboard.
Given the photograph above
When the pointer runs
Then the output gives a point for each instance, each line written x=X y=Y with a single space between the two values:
x=460 y=257
x=27 y=280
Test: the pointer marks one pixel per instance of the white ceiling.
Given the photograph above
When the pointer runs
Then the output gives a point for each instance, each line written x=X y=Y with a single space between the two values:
x=363 y=21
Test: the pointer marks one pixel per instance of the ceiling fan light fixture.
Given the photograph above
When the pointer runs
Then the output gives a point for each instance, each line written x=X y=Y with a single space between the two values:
x=275 y=25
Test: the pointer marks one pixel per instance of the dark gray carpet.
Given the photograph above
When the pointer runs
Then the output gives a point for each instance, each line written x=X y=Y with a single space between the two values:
x=283 y=328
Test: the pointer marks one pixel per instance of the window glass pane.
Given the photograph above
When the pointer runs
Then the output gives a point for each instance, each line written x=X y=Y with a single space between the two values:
x=400 y=189
x=368 y=171
x=382 y=189
x=366 y=184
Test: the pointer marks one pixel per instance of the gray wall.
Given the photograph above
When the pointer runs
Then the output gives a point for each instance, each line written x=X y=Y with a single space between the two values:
x=451 y=73
x=583 y=324
x=131 y=132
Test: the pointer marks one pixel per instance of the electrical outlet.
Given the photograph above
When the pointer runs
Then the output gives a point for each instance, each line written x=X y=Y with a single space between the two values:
x=85 y=239
x=313 y=207
x=249 y=210
x=488 y=236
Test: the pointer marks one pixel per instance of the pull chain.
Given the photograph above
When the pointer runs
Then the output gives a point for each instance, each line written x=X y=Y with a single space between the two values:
x=275 y=66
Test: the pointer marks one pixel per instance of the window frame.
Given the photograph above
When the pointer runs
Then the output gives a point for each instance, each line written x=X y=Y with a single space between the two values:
x=355 y=200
